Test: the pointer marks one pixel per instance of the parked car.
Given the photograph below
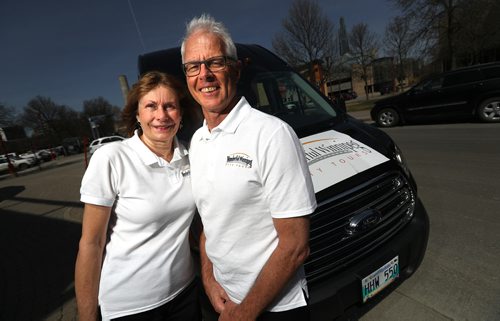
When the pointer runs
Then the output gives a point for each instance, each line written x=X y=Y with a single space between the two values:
x=462 y=93
x=370 y=228
x=39 y=156
x=19 y=164
x=97 y=143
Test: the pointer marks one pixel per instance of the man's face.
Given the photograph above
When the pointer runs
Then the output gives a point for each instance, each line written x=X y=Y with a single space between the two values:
x=213 y=90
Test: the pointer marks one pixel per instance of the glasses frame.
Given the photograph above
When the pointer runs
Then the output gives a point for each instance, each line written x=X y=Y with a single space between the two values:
x=227 y=61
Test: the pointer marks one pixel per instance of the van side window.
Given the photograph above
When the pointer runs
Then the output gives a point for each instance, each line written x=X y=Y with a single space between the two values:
x=462 y=78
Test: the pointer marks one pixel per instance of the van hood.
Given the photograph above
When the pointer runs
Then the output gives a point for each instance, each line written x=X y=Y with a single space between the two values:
x=349 y=147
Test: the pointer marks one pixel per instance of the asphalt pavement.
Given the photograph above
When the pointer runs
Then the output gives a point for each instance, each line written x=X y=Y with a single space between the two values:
x=40 y=226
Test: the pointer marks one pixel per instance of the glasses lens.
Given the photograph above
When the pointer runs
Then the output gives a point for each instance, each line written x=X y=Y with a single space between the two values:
x=216 y=64
x=213 y=64
x=192 y=68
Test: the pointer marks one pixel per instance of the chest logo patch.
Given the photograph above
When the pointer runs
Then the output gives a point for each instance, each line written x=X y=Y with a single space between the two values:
x=239 y=160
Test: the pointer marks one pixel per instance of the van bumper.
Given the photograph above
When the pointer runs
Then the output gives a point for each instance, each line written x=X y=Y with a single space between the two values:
x=341 y=295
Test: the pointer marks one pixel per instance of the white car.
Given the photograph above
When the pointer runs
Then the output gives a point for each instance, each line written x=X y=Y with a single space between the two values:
x=101 y=141
x=43 y=155
x=19 y=164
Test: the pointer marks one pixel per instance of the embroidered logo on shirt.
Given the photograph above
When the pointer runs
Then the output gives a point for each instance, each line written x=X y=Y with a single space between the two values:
x=239 y=160
x=186 y=172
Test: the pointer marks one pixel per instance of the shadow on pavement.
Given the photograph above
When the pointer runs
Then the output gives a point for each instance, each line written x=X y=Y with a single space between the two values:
x=37 y=257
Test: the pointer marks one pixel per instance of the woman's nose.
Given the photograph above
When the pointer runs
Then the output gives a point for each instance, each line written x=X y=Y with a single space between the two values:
x=161 y=113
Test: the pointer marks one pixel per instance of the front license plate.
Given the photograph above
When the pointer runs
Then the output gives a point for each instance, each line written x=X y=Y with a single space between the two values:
x=375 y=282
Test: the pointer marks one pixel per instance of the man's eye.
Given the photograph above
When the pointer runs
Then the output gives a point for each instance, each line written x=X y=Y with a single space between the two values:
x=192 y=67
x=217 y=63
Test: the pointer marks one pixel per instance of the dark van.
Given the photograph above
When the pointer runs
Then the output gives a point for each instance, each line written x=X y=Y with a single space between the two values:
x=459 y=94
x=370 y=230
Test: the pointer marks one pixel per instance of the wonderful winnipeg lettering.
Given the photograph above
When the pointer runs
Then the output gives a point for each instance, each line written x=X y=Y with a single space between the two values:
x=331 y=149
x=239 y=160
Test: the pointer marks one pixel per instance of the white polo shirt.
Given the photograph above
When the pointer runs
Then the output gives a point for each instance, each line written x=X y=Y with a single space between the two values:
x=245 y=172
x=147 y=259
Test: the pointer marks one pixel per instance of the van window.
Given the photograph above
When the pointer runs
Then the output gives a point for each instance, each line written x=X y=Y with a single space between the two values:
x=289 y=97
x=462 y=77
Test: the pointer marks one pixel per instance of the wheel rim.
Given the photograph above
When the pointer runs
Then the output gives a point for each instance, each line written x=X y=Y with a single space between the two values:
x=491 y=111
x=386 y=118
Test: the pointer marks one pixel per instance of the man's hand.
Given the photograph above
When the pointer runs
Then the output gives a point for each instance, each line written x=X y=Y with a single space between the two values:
x=217 y=295
x=233 y=312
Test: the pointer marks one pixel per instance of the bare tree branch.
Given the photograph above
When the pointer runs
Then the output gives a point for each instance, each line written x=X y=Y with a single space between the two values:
x=308 y=37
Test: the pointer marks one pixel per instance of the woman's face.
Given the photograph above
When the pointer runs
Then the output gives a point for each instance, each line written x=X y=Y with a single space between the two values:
x=160 y=115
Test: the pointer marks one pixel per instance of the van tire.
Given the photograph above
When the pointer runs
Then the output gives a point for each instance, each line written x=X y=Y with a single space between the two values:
x=489 y=110
x=387 y=117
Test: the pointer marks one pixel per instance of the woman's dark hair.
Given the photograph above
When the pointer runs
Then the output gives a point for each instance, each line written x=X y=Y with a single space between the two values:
x=146 y=83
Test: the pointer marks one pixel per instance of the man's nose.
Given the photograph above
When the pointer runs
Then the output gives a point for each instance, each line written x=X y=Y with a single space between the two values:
x=205 y=72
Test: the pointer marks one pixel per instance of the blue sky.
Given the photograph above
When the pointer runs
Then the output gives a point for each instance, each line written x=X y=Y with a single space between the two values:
x=71 y=51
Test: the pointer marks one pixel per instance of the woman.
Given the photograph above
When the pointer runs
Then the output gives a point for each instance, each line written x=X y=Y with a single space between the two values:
x=134 y=257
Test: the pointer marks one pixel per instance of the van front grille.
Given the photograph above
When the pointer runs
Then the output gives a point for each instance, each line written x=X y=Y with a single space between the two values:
x=333 y=242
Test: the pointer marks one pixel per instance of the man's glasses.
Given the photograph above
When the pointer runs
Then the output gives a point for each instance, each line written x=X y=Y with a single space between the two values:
x=213 y=64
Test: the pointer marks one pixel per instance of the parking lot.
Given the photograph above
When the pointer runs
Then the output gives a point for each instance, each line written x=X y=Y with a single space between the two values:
x=455 y=166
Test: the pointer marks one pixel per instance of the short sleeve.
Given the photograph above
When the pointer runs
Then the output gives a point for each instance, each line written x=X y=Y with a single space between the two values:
x=286 y=178
x=98 y=184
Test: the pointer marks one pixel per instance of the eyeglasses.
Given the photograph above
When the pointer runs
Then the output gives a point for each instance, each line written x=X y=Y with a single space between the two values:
x=193 y=68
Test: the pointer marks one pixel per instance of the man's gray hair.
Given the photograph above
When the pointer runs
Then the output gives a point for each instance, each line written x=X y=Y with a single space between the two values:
x=206 y=23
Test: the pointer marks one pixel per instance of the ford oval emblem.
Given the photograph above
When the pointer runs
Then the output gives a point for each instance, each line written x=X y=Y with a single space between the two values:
x=363 y=221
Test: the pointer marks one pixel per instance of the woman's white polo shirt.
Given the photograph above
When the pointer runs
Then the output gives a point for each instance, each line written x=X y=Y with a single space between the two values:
x=147 y=259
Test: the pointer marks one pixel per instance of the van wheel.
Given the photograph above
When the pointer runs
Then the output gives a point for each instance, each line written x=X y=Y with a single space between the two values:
x=489 y=110
x=387 y=117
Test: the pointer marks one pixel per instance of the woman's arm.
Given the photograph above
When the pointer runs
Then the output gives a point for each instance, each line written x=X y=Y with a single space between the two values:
x=89 y=259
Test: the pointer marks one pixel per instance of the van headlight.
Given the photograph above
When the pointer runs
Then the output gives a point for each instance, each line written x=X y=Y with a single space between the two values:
x=400 y=159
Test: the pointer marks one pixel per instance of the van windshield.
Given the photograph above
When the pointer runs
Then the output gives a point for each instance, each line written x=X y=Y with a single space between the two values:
x=287 y=96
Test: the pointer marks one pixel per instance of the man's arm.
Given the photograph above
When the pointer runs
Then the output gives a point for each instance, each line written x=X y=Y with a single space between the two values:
x=89 y=260
x=214 y=291
x=289 y=255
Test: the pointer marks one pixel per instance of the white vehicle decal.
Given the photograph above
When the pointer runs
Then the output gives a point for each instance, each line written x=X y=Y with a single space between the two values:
x=333 y=157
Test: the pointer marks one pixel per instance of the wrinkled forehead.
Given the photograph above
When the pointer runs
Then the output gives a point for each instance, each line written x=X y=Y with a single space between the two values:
x=203 y=45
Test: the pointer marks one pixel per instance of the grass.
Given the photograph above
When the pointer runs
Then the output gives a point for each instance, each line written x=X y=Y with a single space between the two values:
x=361 y=103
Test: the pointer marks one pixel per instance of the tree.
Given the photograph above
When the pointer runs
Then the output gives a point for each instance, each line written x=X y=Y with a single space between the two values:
x=39 y=114
x=399 y=42
x=51 y=122
x=308 y=38
x=479 y=33
x=364 y=47
x=102 y=116
x=7 y=115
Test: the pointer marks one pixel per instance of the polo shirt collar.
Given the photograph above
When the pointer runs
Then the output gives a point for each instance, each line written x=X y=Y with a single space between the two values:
x=232 y=120
x=149 y=158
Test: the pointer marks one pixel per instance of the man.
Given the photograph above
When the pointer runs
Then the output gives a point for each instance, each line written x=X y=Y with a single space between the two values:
x=252 y=188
